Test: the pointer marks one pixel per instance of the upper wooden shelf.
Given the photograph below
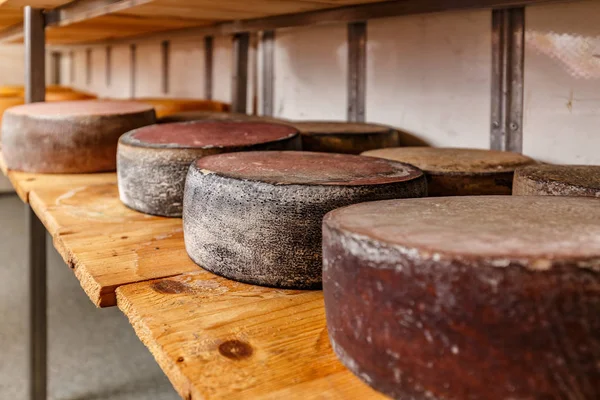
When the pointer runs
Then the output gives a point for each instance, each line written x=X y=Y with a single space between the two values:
x=151 y=16
x=92 y=22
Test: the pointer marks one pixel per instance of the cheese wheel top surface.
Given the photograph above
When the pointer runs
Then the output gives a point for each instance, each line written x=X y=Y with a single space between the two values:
x=207 y=134
x=307 y=168
x=79 y=109
x=454 y=160
x=540 y=229
x=332 y=127
x=584 y=176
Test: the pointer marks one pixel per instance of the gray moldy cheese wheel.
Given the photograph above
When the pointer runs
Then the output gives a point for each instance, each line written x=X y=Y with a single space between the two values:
x=494 y=297
x=345 y=137
x=460 y=172
x=256 y=217
x=153 y=161
x=557 y=180
x=186 y=116
x=69 y=137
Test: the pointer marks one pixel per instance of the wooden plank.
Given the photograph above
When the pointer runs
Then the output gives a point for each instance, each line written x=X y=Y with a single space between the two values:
x=216 y=338
x=25 y=182
x=105 y=243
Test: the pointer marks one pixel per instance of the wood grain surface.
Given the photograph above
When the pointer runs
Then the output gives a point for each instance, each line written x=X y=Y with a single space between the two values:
x=219 y=339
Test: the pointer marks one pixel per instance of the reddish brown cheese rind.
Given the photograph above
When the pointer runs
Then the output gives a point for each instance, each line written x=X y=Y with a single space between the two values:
x=415 y=323
x=460 y=172
x=345 y=137
x=153 y=161
x=208 y=134
x=261 y=224
x=557 y=180
x=69 y=137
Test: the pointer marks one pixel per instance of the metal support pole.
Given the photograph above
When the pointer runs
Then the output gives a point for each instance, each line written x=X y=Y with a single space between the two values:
x=133 y=62
x=208 y=67
x=165 y=53
x=35 y=90
x=72 y=67
x=108 y=65
x=55 y=64
x=508 y=38
x=239 y=86
x=268 y=72
x=88 y=67
x=357 y=68
x=35 y=55
x=38 y=341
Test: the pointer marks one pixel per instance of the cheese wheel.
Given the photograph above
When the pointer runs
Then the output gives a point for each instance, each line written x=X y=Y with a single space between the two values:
x=557 y=180
x=152 y=162
x=494 y=297
x=7 y=102
x=255 y=217
x=345 y=137
x=460 y=172
x=68 y=137
x=166 y=106
x=216 y=115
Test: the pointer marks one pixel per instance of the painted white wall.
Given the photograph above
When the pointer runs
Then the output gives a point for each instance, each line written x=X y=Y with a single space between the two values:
x=186 y=69
x=311 y=69
x=222 y=68
x=148 y=82
x=430 y=75
x=562 y=83
x=12 y=65
x=120 y=82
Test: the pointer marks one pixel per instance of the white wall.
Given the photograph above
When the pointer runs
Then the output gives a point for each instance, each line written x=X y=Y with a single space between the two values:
x=430 y=76
x=311 y=72
x=562 y=83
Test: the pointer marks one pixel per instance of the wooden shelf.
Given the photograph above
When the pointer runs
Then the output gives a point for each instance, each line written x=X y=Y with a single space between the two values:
x=217 y=338
x=213 y=337
x=102 y=22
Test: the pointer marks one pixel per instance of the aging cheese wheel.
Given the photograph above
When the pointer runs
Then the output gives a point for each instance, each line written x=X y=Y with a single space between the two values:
x=216 y=115
x=345 y=137
x=166 y=106
x=460 y=172
x=493 y=297
x=69 y=137
x=256 y=217
x=557 y=180
x=152 y=162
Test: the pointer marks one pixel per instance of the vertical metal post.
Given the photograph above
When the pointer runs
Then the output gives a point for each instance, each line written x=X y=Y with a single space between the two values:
x=133 y=62
x=208 y=67
x=357 y=68
x=88 y=67
x=508 y=38
x=55 y=64
x=35 y=55
x=165 y=53
x=239 y=96
x=108 y=68
x=72 y=67
x=268 y=72
x=35 y=90
x=38 y=341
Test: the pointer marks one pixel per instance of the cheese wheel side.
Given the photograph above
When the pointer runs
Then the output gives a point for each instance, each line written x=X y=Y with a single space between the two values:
x=67 y=144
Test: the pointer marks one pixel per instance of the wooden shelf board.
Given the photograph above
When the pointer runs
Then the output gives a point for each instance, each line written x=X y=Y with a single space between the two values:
x=217 y=338
x=105 y=243
x=213 y=337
